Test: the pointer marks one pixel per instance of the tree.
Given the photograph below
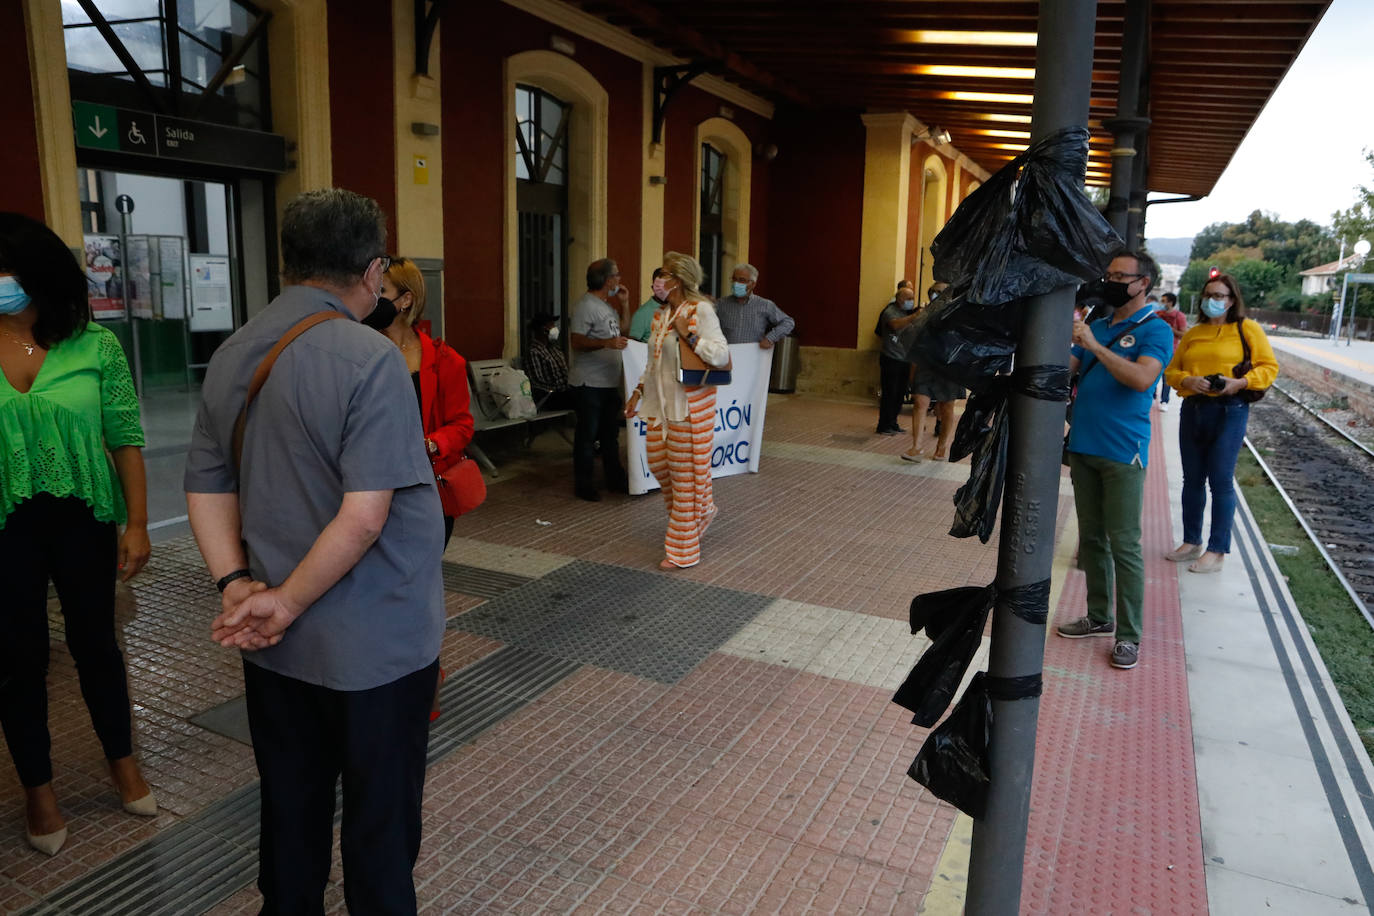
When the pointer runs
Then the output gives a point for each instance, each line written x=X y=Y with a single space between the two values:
x=1258 y=279
x=1294 y=246
x=1357 y=222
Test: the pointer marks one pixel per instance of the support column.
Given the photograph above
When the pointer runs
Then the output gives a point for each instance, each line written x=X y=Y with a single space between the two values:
x=887 y=180
x=1063 y=81
x=419 y=159
x=1129 y=125
x=652 y=204
x=52 y=110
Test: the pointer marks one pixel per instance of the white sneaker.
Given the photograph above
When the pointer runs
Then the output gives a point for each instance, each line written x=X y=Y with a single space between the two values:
x=1163 y=406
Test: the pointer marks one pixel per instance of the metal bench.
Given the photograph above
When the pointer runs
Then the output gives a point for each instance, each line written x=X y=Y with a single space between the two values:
x=486 y=412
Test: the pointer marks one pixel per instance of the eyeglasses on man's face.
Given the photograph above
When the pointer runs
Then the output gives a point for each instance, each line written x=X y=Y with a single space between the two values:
x=1117 y=276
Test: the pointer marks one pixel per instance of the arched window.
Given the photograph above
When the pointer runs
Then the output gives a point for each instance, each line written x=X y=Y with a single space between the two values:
x=542 y=123
x=192 y=58
x=712 y=241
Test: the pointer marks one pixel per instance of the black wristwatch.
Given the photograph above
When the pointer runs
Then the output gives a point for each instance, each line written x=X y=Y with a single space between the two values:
x=237 y=574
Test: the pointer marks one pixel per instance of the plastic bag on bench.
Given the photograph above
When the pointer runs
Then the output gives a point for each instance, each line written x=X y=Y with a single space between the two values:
x=510 y=389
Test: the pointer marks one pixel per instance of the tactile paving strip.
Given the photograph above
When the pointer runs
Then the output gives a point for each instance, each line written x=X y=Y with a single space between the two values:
x=485 y=583
x=628 y=620
x=202 y=860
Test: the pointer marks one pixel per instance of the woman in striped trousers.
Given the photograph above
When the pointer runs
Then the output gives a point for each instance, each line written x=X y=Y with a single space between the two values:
x=681 y=419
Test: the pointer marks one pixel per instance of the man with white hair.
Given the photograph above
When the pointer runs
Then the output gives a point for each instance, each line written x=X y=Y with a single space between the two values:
x=746 y=318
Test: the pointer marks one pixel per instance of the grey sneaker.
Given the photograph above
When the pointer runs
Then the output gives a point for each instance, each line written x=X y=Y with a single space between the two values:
x=1085 y=626
x=1125 y=654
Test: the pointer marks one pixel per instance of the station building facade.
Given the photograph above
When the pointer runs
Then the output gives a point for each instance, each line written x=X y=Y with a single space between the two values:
x=510 y=145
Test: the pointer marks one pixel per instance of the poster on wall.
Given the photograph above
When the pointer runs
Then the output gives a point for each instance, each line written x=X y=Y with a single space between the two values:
x=138 y=274
x=104 y=281
x=171 y=256
x=211 y=303
x=740 y=409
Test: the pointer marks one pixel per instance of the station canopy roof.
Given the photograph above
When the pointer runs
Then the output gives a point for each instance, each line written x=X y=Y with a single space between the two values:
x=968 y=66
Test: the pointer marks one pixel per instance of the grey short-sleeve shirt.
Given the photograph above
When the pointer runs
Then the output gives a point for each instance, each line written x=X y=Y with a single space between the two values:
x=331 y=419
x=593 y=317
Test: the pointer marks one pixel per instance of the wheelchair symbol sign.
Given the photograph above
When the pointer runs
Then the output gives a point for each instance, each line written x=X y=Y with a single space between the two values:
x=136 y=136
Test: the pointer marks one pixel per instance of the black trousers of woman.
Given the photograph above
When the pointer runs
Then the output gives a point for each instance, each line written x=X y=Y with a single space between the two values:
x=47 y=536
x=894 y=374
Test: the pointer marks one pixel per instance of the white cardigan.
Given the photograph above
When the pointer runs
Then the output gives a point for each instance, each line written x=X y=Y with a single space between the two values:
x=664 y=396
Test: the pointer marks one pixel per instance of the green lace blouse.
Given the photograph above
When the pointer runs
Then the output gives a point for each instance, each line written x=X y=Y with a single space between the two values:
x=54 y=437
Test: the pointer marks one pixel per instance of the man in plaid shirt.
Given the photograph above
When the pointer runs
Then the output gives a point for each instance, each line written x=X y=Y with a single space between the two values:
x=746 y=318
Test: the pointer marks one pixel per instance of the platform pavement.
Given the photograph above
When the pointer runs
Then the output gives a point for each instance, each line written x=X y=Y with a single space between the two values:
x=770 y=776
x=1355 y=360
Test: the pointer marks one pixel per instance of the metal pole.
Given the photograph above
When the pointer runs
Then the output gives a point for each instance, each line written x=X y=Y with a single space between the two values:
x=1063 y=80
x=1128 y=122
x=1354 y=314
x=1340 y=310
x=125 y=227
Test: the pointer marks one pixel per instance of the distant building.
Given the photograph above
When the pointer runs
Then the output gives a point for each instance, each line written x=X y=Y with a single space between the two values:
x=1320 y=279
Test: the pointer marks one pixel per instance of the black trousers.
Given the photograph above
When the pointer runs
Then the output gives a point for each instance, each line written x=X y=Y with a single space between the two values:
x=600 y=414
x=895 y=374
x=304 y=738
x=58 y=537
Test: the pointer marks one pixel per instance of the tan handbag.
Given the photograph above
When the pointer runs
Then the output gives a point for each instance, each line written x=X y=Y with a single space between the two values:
x=692 y=369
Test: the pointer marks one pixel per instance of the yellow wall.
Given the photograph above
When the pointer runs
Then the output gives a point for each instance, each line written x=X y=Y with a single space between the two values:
x=419 y=165
x=882 y=252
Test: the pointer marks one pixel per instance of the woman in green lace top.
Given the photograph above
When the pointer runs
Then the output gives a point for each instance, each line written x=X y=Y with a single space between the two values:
x=71 y=471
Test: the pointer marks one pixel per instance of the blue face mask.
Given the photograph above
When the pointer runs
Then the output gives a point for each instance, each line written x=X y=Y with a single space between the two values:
x=739 y=290
x=1214 y=308
x=13 y=299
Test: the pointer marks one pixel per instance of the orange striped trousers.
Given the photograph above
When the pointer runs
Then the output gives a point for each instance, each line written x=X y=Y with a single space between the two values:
x=679 y=456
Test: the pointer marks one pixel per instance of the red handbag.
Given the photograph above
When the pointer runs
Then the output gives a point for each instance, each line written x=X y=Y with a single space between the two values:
x=461 y=487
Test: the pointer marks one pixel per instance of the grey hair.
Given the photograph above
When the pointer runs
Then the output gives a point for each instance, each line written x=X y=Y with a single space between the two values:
x=751 y=269
x=331 y=235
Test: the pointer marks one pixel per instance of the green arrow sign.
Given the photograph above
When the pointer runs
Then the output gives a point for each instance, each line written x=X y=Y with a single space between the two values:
x=97 y=126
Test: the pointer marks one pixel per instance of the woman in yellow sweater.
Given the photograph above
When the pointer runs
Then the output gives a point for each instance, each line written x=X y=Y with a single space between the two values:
x=1210 y=371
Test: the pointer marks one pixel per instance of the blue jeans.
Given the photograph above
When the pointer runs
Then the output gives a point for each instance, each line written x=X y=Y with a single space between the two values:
x=1210 y=433
x=600 y=414
x=1164 y=391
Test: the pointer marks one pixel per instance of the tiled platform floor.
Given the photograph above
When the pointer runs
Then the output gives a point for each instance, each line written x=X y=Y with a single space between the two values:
x=769 y=777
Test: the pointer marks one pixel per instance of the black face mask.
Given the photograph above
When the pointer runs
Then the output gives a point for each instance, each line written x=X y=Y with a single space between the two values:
x=1110 y=293
x=380 y=318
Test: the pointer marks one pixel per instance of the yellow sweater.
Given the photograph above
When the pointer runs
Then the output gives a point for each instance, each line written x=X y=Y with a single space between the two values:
x=1208 y=349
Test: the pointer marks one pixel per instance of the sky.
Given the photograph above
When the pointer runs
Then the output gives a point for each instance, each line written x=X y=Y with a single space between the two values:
x=1320 y=114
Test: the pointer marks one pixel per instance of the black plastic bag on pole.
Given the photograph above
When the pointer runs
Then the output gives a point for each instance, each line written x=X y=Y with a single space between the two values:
x=964 y=341
x=1029 y=229
x=953 y=762
x=954 y=620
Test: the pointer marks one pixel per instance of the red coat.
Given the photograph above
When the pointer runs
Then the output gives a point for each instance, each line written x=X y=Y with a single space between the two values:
x=445 y=408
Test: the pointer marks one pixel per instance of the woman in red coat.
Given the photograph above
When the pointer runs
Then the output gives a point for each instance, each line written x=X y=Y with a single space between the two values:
x=439 y=374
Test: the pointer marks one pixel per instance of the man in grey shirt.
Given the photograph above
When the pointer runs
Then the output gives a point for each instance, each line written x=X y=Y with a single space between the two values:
x=325 y=541
x=747 y=318
x=594 y=334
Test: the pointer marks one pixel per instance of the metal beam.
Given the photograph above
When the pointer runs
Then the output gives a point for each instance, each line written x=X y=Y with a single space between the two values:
x=427 y=14
x=1025 y=551
x=102 y=26
x=668 y=81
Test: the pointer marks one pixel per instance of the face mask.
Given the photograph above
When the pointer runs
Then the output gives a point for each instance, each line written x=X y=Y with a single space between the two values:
x=1214 y=308
x=907 y=304
x=615 y=291
x=13 y=299
x=661 y=290
x=1110 y=292
x=380 y=318
x=553 y=333
x=740 y=290
x=933 y=294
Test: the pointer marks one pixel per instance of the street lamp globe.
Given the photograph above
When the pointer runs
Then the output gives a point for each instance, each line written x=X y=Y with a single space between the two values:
x=1362 y=247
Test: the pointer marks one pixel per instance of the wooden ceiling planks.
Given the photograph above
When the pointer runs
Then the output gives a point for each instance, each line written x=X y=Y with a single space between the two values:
x=1213 y=65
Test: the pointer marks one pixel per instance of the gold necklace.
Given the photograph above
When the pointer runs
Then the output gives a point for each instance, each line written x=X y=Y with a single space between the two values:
x=28 y=347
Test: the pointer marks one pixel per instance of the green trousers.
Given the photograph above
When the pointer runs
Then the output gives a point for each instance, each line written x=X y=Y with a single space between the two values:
x=1109 y=497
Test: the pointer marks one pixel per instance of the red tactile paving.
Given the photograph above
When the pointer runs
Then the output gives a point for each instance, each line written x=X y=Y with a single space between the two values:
x=1114 y=825
x=746 y=787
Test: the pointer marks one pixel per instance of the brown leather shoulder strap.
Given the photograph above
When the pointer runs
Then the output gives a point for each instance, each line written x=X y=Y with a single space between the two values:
x=265 y=369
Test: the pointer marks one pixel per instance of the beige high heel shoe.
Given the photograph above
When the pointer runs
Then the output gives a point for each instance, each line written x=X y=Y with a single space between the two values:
x=48 y=843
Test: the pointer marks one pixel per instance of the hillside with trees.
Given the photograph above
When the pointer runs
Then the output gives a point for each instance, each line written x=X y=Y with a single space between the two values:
x=1265 y=255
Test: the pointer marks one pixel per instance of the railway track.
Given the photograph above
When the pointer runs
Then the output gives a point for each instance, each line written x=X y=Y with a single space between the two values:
x=1327 y=478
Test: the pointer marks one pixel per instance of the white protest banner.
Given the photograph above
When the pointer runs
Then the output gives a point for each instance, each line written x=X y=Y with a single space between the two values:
x=740 y=409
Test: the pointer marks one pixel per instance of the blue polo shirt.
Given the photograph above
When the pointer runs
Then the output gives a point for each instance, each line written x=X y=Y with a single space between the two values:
x=1111 y=420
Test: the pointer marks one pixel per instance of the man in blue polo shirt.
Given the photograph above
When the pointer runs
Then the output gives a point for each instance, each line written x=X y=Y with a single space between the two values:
x=1118 y=360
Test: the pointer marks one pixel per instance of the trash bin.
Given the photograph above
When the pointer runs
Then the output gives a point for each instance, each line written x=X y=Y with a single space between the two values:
x=783 y=378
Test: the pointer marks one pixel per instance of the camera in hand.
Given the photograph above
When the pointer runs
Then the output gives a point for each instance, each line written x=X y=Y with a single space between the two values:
x=1216 y=381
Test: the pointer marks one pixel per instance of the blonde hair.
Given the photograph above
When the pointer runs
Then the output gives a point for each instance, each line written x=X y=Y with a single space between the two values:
x=686 y=270
x=406 y=277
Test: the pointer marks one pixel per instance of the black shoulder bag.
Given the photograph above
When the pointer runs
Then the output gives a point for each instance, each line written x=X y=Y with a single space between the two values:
x=1249 y=395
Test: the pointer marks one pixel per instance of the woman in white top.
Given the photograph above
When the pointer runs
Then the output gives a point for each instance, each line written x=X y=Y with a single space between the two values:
x=681 y=419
